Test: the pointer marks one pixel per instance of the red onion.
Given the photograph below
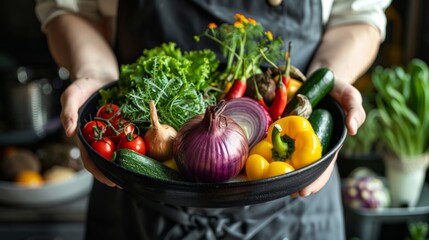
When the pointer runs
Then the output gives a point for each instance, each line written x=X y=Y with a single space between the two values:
x=211 y=147
x=251 y=116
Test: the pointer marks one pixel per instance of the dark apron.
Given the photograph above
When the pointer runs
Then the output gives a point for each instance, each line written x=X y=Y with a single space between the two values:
x=113 y=214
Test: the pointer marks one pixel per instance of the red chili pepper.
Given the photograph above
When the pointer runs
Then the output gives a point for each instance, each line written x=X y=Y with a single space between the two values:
x=258 y=97
x=237 y=90
x=286 y=81
x=279 y=102
x=280 y=99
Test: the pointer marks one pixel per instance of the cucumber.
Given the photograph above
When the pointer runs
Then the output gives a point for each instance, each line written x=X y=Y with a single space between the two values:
x=323 y=125
x=317 y=86
x=142 y=164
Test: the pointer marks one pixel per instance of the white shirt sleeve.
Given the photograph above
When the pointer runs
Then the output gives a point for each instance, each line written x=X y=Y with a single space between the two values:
x=339 y=12
x=335 y=12
x=46 y=10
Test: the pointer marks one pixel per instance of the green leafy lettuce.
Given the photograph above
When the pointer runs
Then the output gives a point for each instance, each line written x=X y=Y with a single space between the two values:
x=178 y=81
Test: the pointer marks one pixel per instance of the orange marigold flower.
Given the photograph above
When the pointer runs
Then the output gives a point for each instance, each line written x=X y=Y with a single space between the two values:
x=238 y=24
x=212 y=25
x=269 y=35
x=239 y=17
x=252 y=21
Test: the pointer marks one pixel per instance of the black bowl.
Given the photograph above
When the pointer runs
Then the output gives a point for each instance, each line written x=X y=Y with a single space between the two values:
x=212 y=195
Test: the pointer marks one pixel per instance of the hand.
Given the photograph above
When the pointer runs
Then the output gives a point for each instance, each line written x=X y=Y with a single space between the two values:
x=350 y=100
x=71 y=100
x=319 y=183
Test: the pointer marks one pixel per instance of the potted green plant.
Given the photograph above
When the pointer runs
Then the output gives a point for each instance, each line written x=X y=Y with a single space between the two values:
x=402 y=106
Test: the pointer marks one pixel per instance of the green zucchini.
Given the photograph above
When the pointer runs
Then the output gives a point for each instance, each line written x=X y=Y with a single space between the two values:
x=316 y=87
x=145 y=165
x=323 y=124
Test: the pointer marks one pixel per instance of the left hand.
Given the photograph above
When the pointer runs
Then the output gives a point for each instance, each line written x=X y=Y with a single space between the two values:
x=350 y=100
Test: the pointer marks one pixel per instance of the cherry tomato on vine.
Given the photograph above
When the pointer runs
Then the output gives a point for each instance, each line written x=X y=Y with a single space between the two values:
x=122 y=128
x=109 y=111
x=105 y=147
x=133 y=142
x=93 y=130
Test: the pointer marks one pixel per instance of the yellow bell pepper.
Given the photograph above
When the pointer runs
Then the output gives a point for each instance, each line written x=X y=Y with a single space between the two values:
x=290 y=139
x=297 y=140
x=264 y=149
x=291 y=143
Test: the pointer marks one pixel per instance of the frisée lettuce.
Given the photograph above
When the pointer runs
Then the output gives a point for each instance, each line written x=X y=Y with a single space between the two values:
x=178 y=81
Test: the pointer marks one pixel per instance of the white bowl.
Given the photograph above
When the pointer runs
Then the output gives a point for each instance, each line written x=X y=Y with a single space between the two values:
x=49 y=193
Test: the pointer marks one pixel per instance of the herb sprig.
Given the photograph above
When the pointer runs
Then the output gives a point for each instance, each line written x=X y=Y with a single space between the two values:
x=241 y=44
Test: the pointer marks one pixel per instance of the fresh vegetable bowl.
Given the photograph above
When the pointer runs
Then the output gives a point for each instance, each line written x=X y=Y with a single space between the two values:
x=226 y=194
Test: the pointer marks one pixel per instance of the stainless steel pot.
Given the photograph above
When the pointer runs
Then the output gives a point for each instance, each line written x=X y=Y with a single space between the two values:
x=30 y=99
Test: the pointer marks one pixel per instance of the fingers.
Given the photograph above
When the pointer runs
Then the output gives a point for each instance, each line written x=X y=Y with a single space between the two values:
x=294 y=195
x=71 y=100
x=350 y=100
x=90 y=166
x=319 y=183
x=354 y=119
x=352 y=103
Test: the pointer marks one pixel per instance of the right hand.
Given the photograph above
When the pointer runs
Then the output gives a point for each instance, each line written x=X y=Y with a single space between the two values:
x=71 y=100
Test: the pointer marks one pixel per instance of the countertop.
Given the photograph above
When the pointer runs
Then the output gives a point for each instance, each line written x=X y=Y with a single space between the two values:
x=71 y=211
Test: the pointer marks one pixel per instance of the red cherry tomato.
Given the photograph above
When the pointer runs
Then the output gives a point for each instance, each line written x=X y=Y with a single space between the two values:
x=134 y=142
x=109 y=112
x=93 y=130
x=105 y=147
x=123 y=128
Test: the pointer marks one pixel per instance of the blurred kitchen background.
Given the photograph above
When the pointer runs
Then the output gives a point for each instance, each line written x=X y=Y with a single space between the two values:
x=30 y=129
x=32 y=143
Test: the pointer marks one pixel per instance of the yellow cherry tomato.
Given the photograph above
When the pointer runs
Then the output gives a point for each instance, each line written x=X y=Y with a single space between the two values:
x=256 y=167
x=293 y=87
x=278 y=168
x=171 y=163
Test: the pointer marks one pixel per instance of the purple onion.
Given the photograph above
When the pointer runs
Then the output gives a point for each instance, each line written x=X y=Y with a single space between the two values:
x=211 y=147
x=251 y=116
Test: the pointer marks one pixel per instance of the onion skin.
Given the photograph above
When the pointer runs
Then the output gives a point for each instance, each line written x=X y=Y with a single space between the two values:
x=159 y=138
x=248 y=113
x=211 y=147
